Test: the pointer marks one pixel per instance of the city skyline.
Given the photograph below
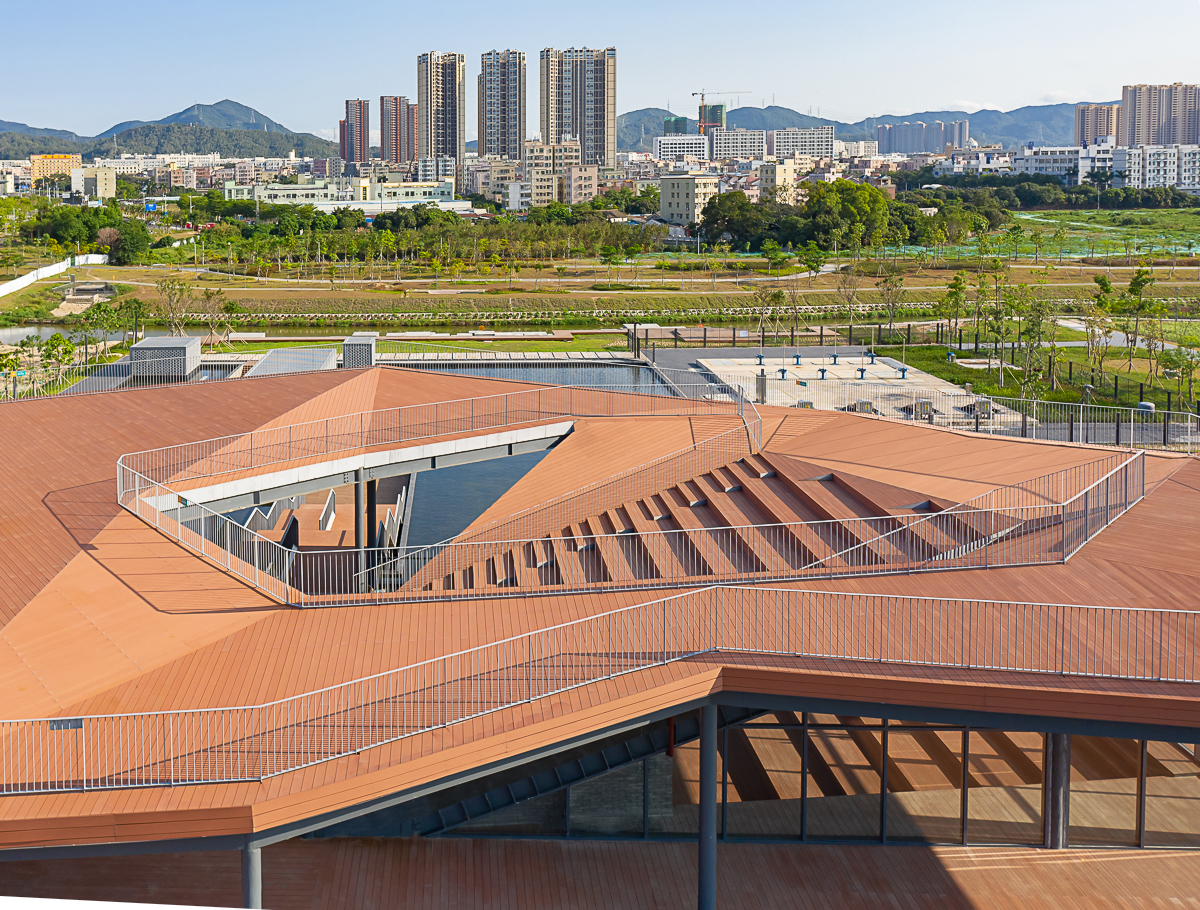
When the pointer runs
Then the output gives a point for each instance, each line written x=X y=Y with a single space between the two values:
x=310 y=97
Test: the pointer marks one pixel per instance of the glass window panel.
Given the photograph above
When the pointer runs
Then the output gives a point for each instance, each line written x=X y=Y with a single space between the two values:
x=675 y=791
x=609 y=803
x=844 y=766
x=1004 y=802
x=1104 y=785
x=924 y=785
x=763 y=784
x=1172 y=795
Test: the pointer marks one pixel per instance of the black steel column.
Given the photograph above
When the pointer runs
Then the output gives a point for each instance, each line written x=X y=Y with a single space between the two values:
x=1057 y=798
x=964 y=798
x=1141 y=795
x=372 y=520
x=251 y=875
x=706 y=888
x=359 y=527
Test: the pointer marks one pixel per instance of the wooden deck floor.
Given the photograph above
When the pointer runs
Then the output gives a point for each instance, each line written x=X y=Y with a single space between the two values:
x=363 y=874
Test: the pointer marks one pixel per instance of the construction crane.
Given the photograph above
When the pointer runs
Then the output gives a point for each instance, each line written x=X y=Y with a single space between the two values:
x=704 y=107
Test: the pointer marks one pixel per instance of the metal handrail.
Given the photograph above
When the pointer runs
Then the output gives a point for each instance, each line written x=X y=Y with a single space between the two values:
x=255 y=742
x=1028 y=418
x=520 y=565
x=276 y=445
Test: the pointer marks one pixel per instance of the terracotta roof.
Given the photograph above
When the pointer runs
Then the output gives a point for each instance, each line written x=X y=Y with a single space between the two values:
x=465 y=874
x=103 y=614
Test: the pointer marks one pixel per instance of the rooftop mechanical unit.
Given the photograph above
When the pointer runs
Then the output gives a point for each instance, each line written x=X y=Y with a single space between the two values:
x=358 y=352
x=164 y=359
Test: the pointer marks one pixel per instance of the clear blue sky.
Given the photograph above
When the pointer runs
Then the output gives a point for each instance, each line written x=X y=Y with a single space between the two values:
x=75 y=67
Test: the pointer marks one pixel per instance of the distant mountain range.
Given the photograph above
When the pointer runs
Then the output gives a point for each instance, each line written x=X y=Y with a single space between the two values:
x=227 y=127
x=234 y=129
x=1053 y=124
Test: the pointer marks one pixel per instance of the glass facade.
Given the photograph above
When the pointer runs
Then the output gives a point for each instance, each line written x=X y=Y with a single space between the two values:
x=785 y=776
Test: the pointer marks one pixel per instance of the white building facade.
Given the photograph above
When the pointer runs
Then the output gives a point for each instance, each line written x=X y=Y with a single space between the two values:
x=739 y=144
x=1145 y=167
x=816 y=143
x=669 y=148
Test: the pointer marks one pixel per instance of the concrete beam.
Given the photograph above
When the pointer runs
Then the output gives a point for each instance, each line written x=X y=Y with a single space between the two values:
x=264 y=489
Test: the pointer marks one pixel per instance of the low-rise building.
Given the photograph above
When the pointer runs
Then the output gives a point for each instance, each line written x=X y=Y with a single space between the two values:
x=1145 y=167
x=518 y=196
x=676 y=147
x=1071 y=164
x=357 y=192
x=738 y=144
x=817 y=142
x=975 y=162
x=682 y=196
x=581 y=183
x=863 y=149
x=47 y=165
x=777 y=179
x=94 y=182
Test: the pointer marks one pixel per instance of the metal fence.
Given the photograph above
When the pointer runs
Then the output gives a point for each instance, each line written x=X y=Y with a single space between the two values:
x=250 y=743
x=1052 y=421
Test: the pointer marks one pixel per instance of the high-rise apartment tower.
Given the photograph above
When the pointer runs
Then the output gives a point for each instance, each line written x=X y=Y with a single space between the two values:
x=441 y=106
x=1095 y=120
x=357 y=136
x=578 y=99
x=502 y=104
x=397 y=129
x=1160 y=115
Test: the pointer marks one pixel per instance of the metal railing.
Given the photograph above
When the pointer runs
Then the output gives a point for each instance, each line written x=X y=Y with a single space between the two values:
x=1052 y=421
x=651 y=477
x=1044 y=520
x=368 y=429
x=251 y=743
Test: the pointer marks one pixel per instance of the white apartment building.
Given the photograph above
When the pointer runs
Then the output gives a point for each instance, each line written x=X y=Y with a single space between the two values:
x=8 y=183
x=864 y=149
x=138 y=164
x=670 y=148
x=435 y=169
x=738 y=144
x=817 y=142
x=682 y=197
x=519 y=196
x=1148 y=166
x=358 y=192
x=1070 y=164
x=974 y=162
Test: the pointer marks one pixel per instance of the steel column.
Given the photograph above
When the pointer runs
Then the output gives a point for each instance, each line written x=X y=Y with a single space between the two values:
x=251 y=875
x=1057 y=798
x=372 y=521
x=706 y=888
x=359 y=527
